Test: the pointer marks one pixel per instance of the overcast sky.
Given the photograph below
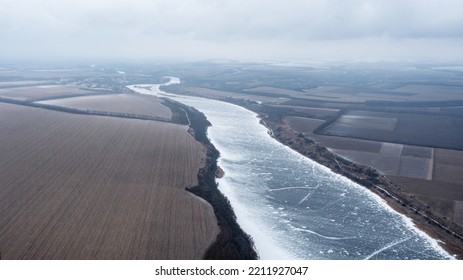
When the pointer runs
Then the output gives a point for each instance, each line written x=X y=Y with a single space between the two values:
x=233 y=29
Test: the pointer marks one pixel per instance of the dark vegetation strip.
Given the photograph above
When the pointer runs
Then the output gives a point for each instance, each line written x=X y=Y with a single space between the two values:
x=83 y=111
x=232 y=242
x=100 y=90
x=178 y=113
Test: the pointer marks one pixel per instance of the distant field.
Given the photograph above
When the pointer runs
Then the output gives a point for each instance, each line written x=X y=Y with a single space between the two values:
x=211 y=93
x=22 y=83
x=343 y=143
x=319 y=113
x=126 y=103
x=448 y=166
x=47 y=73
x=87 y=187
x=31 y=93
x=307 y=125
x=433 y=92
x=389 y=158
x=389 y=163
x=459 y=212
x=276 y=91
x=413 y=129
x=352 y=121
x=355 y=94
x=304 y=125
x=437 y=189
x=362 y=93
x=457 y=110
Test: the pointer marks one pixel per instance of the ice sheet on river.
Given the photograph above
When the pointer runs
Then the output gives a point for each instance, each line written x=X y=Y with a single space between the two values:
x=296 y=208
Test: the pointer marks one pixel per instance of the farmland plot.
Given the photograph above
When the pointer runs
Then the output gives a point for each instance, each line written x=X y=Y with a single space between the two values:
x=51 y=74
x=37 y=92
x=88 y=187
x=459 y=212
x=307 y=125
x=413 y=129
x=448 y=166
x=433 y=92
x=212 y=93
x=389 y=158
x=277 y=91
x=123 y=103
x=319 y=113
x=304 y=125
x=23 y=83
x=430 y=188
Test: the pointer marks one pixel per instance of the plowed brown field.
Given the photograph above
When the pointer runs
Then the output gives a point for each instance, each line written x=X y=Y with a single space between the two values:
x=123 y=103
x=89 y=187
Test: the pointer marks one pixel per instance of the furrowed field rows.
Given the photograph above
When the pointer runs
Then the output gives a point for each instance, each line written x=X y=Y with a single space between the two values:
x=38 y=92
x=86 y=187
x=126 y=103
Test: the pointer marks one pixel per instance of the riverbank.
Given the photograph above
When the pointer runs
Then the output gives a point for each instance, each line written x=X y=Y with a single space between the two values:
x=232 y=242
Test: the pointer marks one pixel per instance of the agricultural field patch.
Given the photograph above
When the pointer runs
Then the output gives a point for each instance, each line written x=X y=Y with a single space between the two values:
x=357 y=94
x=90 y=187
x=283 y=92
x=126 y=103
x=413 y=129
x=444 y=207
x=39 y=92
x=388 y=158
x=438 y=189
x=357 y=121
x=23 y=83
x=433 y=92
x=389 y=164
x=212 y=93
x=386 y=164
x=344 y=143
x=414 y=167
x=304 y=125
x=458 y=216
x=391 y=149
x=416 y=151
x=47 y=73
x=318 y=113
x=448 y=165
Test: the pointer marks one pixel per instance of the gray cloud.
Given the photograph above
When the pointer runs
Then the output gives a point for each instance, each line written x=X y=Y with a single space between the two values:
x=236 y=28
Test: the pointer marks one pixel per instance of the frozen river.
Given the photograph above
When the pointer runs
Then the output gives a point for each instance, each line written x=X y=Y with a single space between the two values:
x=295 y=208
